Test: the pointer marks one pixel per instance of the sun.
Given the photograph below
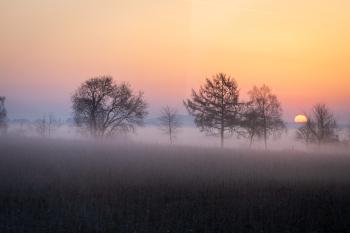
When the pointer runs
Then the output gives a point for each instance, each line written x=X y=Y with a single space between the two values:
x=300 y=119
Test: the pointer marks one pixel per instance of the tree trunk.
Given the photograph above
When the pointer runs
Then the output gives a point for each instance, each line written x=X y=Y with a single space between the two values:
x=222 y=115
x=170 y=132
x=222 y=138
x=265 y=129
x=251 y=142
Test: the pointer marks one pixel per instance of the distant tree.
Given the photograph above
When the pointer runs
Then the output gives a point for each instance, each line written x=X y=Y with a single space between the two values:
x=305 y=132
x=320 y=128
x=251 y=123
x=267 y=113
x=45 y=126
x=169 y=122
x=216 y=106
x=104 y=107
x=3 y=116
x=41 y=126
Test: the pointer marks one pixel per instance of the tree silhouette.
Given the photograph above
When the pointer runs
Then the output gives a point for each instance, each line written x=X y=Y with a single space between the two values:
x=251 y=123
x=320 y=128
x=216 y=106
x=45 y=126
x=169 y=122
x=267 y=112
x=3 y=116
x=305 y=132
x=104 y=107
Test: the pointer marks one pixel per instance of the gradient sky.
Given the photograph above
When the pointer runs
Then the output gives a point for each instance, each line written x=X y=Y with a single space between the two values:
x=166 y=47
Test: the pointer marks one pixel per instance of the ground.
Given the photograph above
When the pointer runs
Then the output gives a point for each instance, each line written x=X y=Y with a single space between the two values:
x=79 y=186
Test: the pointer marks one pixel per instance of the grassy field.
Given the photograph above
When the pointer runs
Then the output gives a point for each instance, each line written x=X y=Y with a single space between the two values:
x=76 y=186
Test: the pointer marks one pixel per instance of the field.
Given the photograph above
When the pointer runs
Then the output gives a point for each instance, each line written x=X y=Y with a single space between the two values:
x=80 y=186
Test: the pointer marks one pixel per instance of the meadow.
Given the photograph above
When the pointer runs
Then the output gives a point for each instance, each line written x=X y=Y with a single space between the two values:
x=61 y=185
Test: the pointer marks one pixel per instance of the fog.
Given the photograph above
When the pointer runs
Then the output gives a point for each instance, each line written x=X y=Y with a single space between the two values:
x=139 y=183
x=75 y=185
x=188 y=136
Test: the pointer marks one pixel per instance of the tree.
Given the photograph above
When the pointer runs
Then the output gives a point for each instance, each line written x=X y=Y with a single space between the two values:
x=216 y=106
x=320 y=128
x=304 y=133
x=103 y=107
x=3 y=116
x=41 y=126
x=45 y=126
x=268 y=112
x=169 y=122
x=251 y=123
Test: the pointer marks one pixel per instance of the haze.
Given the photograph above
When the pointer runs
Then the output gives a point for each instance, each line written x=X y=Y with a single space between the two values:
x=82 y=152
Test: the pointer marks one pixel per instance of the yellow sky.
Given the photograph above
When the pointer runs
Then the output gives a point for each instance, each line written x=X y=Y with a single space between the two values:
x=166 y=47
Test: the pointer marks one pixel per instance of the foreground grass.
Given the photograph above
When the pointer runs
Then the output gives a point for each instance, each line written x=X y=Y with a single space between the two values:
x=62 y=186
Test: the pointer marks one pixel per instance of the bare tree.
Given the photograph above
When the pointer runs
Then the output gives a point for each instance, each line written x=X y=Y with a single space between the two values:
x=3 y=116
x=251 y=123
x=41 y=126
x=268 y=112
x=104 y=107
x=304 y=133
x=53 y=124
x=46 y=125
x=169 y=122
x=320 y=128
x=216 y=106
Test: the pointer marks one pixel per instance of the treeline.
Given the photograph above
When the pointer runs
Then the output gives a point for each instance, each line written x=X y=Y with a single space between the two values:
x=218 y=110
x=104 y=108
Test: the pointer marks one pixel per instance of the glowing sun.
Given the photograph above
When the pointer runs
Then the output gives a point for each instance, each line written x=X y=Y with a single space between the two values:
x=300 y=119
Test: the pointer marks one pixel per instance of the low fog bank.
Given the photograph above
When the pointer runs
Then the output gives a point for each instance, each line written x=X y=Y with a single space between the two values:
x=185 y=136
x=160 y=161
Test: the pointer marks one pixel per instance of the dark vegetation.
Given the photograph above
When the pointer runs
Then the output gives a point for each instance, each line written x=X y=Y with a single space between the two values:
x=321 y=127
x=216 y=107
x=218 y=111
x=76 y=186
x=169 y=122
x=103 y=108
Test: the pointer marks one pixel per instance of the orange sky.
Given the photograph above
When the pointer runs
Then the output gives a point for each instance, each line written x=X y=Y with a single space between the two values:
x=166 y=47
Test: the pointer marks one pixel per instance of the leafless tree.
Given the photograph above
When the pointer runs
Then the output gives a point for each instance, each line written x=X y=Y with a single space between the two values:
x=320 y=128
x=251 y=123
x=45 y=126
x=169 y=122
x=216 y=106
x=3 y=116
x=304 y=133
x=41 y=126
x=268 y=112
x=53 y=124
x=103 y=107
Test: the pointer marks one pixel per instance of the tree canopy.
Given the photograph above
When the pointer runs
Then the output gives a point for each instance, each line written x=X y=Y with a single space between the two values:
x=216 y=107
x=103 y=107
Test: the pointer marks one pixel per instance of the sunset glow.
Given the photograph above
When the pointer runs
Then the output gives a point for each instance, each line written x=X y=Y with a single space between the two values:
x=166 y=48
x=161 y=116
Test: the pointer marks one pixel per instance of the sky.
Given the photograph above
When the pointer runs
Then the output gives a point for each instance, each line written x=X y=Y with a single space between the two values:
x=165 y=48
